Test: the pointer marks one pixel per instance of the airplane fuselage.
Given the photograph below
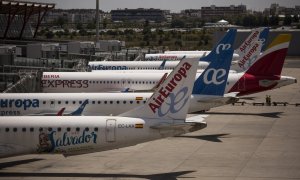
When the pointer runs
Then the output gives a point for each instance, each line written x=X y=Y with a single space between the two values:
x=78 y=135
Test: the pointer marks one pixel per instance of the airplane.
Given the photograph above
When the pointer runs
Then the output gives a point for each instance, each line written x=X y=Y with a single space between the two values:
x=79 y=135
x=205 y=95
x=258 y=34
x=161 y=61
x=162 y=64
x=264 y=74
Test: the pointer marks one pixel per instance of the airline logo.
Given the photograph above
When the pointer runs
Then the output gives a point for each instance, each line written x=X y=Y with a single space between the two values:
x=19 y=103
x=249 y=41
x=213 y=75
x=167 y=91
x=222 y=47
x=102 y=67
x=55 y=142
x=65 y=83
x=248 y=55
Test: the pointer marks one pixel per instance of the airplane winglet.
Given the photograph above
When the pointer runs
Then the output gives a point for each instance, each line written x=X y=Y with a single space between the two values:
x=78 y=112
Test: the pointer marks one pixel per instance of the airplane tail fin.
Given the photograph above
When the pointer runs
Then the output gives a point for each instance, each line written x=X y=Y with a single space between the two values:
x=258 y=34
x=213 y=79
x=79 y=111
x=171 y=99
x=272 y=60
x=225 y=43
x=263 y=38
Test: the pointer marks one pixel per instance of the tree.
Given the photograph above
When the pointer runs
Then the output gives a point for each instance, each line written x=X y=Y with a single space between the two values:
x=91 y=25
x=49 y=35
x=287 y=20
x=60 y=21
x=79 y=26
x=177 y=23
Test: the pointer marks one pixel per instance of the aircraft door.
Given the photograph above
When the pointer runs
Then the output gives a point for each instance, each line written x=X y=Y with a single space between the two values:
x=110 y=131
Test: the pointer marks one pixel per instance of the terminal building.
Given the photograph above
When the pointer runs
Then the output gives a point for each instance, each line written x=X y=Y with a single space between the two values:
x=140 y=14
x=215 y=12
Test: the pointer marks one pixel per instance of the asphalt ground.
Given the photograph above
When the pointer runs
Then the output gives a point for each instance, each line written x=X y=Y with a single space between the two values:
x=240 y=143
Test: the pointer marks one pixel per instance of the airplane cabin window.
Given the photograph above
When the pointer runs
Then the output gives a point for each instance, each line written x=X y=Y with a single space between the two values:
x=93 y=102
x=80 y=102
x=99 y=102
x=96 y=129
x=105 y=102
x=68 y=129
x=15 y=129
x=52 y=102
x=131 y=102
x=74 y=102
x=31 y=129
x=49 y=129
x=124 y=102
x=24 y=129
x=44 y=102
x=138 y=102
x=6 y=129
x=59 y=129
x=77 y=129
x=67 y=102
x=86 y=129
x=59 y=102
x=144 y=102
x=111 y=102
x=40 y=129
x=118 y=102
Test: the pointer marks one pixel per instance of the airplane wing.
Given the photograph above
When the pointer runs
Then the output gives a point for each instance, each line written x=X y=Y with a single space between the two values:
x=196 y=120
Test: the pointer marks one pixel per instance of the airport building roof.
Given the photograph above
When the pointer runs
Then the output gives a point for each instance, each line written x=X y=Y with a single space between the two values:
x=15 y=15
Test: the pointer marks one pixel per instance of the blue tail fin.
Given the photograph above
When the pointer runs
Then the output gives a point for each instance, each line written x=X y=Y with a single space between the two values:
x=79 y=111
x=225 y=43
x=213 y=79
x=263 y=37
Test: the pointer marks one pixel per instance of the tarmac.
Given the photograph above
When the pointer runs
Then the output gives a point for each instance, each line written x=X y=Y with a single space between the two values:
x=239 y=143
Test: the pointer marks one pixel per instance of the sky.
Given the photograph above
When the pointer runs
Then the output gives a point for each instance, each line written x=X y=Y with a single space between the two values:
x=173 y=5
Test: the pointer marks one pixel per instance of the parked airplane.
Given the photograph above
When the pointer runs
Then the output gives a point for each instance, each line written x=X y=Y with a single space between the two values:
x=264 y=74
x=258 y=34
x=208 y=92
x=161 y=61
x=162 y=64
x=78 y=135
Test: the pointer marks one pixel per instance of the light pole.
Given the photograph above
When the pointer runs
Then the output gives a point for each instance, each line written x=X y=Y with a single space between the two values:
x=97 y=20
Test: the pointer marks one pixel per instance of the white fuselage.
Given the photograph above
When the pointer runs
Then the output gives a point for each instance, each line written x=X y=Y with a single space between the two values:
x=104 y=104
x=137 y=65
x=71 y=135
x=54 y=82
